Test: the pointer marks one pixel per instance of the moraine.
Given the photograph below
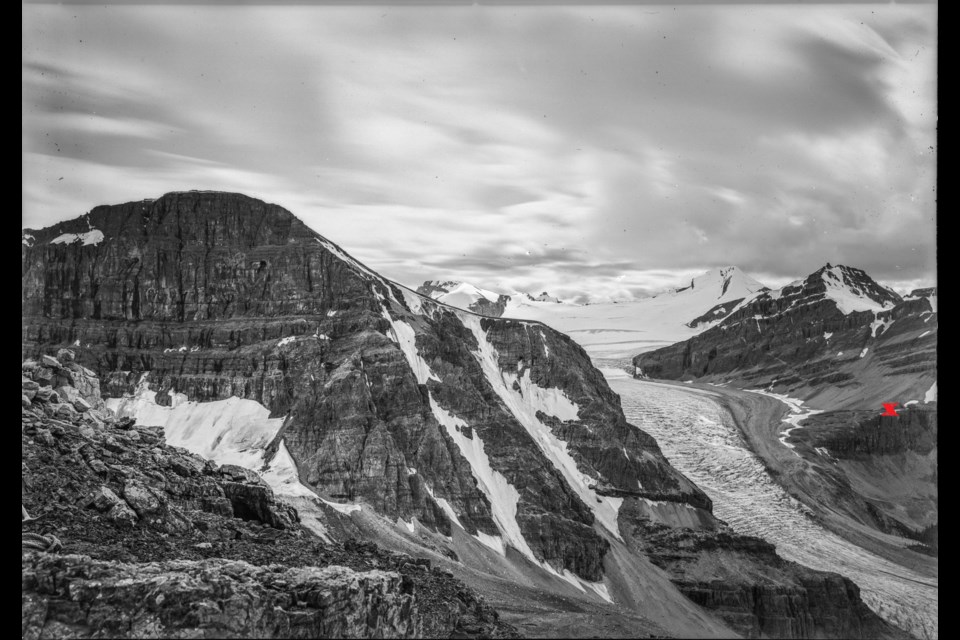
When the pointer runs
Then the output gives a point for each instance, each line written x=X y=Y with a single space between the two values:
x=699 y=438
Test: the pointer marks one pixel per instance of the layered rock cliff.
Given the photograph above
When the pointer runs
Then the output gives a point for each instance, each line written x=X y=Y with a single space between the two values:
x=418 y=409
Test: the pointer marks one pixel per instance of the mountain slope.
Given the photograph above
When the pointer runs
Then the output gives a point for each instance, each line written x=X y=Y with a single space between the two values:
x=842 y=344
x=835 y=338
x=255 y=341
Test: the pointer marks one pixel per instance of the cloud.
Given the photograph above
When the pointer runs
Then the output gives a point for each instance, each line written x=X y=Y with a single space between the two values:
x=573 y=149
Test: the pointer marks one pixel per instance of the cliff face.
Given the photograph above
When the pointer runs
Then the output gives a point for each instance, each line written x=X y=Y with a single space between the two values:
x=387 y=397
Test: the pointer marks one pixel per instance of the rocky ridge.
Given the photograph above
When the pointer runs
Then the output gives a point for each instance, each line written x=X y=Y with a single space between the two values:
x=124 y=535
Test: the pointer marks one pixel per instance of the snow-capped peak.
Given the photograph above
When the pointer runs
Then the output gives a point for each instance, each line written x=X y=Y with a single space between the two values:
x=729 y=283
x=853 y=290
x=543 y=297
x=456 y=294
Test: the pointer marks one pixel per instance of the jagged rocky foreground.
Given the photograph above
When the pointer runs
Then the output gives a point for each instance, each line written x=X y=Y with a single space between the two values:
x=126 y=536
x=255 y=341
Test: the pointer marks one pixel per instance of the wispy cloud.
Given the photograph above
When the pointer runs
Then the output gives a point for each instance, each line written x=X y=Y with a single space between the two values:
x=564 y=148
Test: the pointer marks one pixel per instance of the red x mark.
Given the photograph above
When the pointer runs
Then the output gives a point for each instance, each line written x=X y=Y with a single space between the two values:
x=888 y=408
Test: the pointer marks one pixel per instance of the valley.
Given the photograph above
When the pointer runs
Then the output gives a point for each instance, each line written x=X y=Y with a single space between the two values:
x=491 y=446
x=700 y=437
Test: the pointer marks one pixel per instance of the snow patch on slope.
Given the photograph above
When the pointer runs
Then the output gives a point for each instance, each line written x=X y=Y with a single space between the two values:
x=797 y=412
x=879 y=325
x=524 y=404
x=94 y=237
x=405 y=336
x=502 y=495
x=931 y=394
x=232 y=431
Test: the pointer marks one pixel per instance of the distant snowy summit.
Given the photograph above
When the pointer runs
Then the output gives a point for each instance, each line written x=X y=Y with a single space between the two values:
x=464 y=295
x=730 y=282
x=619 y=329
x=484 y=302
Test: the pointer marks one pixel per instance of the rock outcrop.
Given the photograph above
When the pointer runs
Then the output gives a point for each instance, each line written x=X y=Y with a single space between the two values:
x=743 y=580
x=158 y=542
x=82 y=597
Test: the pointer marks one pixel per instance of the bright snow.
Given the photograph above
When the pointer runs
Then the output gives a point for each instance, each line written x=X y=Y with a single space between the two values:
x=94 y=236
x=524 y=405
x=839 y=290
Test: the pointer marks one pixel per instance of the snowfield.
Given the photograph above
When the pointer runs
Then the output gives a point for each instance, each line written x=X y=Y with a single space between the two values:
x=622 y=330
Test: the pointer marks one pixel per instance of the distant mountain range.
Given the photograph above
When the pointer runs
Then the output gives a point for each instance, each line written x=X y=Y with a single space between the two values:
x=615 y=329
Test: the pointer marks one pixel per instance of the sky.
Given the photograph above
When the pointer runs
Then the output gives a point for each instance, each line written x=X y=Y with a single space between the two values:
x=600 y=152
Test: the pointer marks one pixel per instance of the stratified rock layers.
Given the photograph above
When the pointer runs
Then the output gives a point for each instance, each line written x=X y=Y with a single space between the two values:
x=215 y=295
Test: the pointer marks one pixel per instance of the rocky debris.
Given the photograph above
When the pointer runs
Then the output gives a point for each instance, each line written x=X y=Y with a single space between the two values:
x=212 y=598
x=743 y=580
x=154 y=546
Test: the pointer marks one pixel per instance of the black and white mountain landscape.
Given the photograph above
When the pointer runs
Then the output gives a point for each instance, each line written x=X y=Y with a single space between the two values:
x=479 y=322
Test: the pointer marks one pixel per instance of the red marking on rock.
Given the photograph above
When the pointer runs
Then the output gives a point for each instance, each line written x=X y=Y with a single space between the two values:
x=888 y=408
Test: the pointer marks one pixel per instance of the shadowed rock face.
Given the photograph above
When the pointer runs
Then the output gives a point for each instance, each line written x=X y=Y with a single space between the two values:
x=215 y=295
x=755 y=591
